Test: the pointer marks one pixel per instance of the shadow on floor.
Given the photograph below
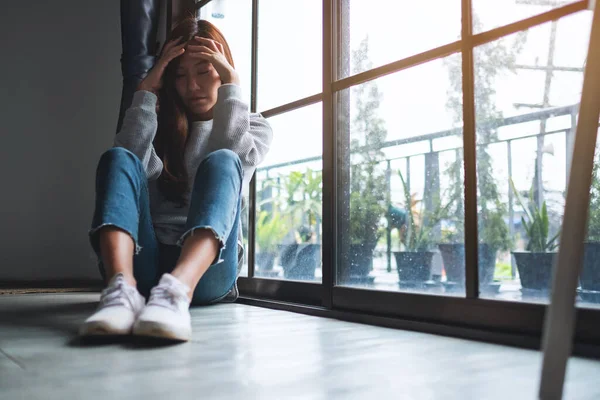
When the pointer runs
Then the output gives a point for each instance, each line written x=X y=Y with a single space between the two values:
x=61 y=318
x=65 y=320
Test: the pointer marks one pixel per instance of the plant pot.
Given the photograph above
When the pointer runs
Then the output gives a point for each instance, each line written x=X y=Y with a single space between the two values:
x=453 y=256
x=358 y=265
x=287 y=255
x=360 y=262
x=535 y=269
x=413 y=266
x=306 y=260
x=265 y=261
x=590 y=274
x=486 y=257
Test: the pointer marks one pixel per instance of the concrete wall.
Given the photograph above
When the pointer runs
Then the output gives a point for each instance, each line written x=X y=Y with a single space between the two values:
x=59 y=99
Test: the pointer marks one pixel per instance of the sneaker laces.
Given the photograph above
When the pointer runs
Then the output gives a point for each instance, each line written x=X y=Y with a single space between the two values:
x=167 y=295
x=118 y=294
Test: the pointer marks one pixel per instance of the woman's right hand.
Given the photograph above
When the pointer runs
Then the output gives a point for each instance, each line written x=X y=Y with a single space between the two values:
x=153 y=81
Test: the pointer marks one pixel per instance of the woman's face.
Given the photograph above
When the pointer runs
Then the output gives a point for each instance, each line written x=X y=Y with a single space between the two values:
x=197 y=82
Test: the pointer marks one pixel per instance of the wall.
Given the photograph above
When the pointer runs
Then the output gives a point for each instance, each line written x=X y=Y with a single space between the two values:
x=61 y=85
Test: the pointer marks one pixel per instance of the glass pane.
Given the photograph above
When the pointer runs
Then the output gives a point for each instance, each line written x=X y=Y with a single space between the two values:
x=290 y=37
x=289 y=198
x=384 y=20
x=490 y=14
x=232 y=17
x=522 y=156
x=401 y=219
x=589 y=279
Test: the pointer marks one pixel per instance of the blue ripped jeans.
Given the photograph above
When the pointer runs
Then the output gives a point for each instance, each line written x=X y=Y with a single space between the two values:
x=122 y=200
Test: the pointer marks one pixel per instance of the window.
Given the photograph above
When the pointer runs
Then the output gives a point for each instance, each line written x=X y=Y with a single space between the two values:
x=289 y=199
x=495 y=13
x=525 y=113
x=289 y=51
x=369 y=170
x=404 y=197
x=396 y=29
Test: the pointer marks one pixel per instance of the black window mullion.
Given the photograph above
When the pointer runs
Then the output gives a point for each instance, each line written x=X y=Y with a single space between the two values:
x=329 y=237
x=253 y=98
x=470 y=153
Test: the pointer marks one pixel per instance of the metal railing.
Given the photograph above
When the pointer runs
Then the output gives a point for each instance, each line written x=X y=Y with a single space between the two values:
x=264 y=174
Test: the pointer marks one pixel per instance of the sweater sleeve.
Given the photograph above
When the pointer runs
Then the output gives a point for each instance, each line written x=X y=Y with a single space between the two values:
x=234 y=128
x=138 y=131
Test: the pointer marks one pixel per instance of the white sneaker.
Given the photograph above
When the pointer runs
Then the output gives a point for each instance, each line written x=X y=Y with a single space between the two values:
x=120 y=304
x=167 y=314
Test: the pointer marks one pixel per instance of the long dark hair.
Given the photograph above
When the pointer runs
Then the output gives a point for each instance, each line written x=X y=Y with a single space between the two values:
x=171 y=136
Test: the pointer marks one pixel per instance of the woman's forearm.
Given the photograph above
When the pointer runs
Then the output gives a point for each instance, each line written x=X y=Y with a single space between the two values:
x=138 y=131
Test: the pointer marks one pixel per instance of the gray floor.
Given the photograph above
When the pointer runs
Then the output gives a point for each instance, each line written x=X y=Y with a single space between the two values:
x=244 y=352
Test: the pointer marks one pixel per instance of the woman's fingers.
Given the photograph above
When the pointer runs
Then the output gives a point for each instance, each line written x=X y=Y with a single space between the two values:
x=177 y=49
x=174 y=54
x=194 y=49
x=202 y=55
x=170 y=44
x=208 y=43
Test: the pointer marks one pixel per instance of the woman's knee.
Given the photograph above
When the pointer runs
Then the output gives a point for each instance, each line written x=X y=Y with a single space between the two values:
x=119 y=154
x=121 y=157
x=222 y=158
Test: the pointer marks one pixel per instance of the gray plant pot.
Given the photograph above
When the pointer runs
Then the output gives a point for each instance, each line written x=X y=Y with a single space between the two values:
x=535 y=269
x=413 y=266
x=358 y=265
x=590 y=275
x=453 y=255
x=306 y=260
x=287 y=254
x=265 y=261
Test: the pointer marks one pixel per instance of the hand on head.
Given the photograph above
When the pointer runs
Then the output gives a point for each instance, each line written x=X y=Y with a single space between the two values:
x=198 y=48
x=171 y=50
x=213 y=52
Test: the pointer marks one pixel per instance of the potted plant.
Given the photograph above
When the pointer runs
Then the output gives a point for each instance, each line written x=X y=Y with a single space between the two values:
x=306 y=258
x=452 y=246
x=493 y=237
x=498 y=57
x=535 y=264
x=270 y=230
x=452 y=249
x=493 y=234
x=300 y=259
x=367 y=208
x=368 y=179
x=414 y=261
x=590 y=274
x=291 y=186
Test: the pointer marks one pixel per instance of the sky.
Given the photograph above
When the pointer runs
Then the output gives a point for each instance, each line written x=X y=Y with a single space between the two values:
x=414 y=100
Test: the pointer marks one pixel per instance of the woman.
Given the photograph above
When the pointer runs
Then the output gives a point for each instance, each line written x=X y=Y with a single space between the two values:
x=166 y=227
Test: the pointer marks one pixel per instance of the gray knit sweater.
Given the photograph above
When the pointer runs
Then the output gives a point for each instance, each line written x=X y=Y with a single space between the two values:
x=247 y=134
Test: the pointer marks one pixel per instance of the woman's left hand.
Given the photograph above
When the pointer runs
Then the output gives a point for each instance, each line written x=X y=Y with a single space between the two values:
x=212 y=51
